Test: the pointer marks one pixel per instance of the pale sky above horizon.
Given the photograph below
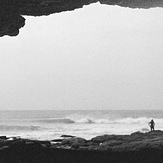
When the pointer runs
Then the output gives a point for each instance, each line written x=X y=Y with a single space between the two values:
x=99 y=57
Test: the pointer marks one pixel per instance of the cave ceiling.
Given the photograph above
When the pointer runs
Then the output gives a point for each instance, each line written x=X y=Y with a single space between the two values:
x=12 y=11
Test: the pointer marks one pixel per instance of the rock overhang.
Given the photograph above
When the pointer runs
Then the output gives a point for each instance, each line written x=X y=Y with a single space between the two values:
x=12 y=11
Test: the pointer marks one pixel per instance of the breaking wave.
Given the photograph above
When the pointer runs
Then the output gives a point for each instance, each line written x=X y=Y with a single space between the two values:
x=128 y=120
x=57 y=120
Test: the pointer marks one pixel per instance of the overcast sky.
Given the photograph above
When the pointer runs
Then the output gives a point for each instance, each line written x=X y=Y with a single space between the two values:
x=98 y=57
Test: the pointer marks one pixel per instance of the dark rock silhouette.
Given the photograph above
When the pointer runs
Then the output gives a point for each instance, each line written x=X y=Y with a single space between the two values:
x=136 y=148
x=11 y=11
x=67 y=136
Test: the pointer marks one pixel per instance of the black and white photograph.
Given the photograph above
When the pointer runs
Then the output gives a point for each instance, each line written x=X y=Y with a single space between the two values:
x=81 y=81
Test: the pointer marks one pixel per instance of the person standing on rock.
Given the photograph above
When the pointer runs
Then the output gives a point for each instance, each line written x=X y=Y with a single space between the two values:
x=152 y=124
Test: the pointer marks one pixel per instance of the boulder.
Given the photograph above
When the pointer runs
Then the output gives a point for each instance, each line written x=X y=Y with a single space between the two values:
x=74 y=142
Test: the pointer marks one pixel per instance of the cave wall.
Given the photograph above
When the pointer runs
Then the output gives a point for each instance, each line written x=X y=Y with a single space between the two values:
x=11 y=11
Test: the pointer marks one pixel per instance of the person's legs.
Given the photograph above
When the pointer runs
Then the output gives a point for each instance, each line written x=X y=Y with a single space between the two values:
x=152 y=128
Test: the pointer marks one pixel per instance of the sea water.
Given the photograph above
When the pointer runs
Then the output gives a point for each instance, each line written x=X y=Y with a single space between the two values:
x=51 y=124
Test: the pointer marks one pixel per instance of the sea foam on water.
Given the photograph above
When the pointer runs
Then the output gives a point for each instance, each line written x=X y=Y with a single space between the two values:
x=48 y=125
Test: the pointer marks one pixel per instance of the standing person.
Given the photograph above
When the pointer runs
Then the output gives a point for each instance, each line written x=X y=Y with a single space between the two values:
x=152 y=124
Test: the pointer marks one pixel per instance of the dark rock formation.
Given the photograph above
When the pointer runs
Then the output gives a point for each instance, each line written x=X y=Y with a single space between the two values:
x=67 y=136
x=11 y=10
x=135 y=148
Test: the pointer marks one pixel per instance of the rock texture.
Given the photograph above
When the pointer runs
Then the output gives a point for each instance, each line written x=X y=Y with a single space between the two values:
x=11 y=11
x=136 y=148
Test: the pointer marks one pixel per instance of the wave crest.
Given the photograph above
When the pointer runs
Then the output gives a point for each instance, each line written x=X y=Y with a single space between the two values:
x=127 y=120
x=85 y=121
x=57 y=120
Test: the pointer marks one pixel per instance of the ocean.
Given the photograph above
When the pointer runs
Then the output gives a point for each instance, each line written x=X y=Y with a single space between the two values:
x=51 y=124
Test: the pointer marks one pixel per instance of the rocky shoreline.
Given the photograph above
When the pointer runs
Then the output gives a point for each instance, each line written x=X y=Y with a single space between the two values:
x=135 y=148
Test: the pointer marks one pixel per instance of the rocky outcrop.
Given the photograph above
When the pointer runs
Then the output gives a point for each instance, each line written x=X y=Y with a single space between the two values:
x=134 y=3
x=11 y=11
x=136 y=148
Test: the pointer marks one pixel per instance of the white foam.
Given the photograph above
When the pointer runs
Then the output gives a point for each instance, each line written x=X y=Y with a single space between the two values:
x=86 y=126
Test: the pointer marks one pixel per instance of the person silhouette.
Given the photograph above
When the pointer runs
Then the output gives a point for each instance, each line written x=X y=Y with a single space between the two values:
x=152 y=124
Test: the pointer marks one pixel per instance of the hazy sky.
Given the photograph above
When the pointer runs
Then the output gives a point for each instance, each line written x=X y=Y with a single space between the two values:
x=98 y=57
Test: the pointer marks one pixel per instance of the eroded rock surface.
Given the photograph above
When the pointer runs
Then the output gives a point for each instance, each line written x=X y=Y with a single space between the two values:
x=11 y=11
x=137 y=148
